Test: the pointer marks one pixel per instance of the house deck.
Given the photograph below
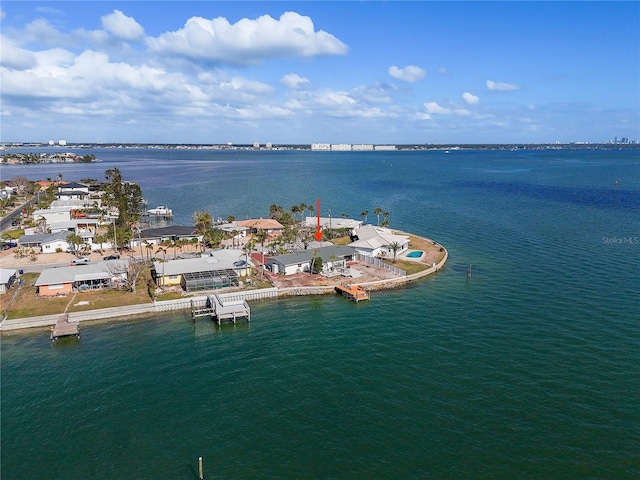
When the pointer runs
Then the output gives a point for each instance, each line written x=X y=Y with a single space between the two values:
x=64 y=328
x=353 y=292
x=220 y=310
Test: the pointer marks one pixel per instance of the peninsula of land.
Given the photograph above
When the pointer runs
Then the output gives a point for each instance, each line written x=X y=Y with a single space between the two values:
x=92 y=251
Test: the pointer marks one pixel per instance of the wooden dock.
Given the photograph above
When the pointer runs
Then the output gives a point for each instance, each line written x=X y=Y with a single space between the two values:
x=64 y=328
x=354 y=293
x=221 y=310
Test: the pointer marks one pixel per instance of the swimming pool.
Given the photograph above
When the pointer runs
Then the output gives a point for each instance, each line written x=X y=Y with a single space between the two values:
x=415 y=254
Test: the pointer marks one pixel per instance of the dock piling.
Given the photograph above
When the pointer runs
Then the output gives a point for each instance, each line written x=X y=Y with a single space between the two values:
x=200 y=474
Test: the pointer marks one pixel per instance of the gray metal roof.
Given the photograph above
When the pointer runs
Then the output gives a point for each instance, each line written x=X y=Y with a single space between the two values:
x=6 y=274
x=91 y=271
x=43 y=238
x=303 y=256
x=170 y=231
x=223 y=259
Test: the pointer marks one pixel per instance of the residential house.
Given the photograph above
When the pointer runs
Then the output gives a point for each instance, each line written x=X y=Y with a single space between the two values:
x=273 y=228
x=375 y=241
x=45 y=242
x=72 y=191
x=51 y=215
x=334 y=257
x=156 y=236
x=64 y=280
x=335 y=223
x=7 y=277
x=215 y=269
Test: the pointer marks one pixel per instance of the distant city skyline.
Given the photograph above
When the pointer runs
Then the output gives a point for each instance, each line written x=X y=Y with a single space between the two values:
x=168 y=72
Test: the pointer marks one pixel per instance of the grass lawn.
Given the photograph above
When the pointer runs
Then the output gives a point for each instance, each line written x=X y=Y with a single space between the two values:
x=25 y=302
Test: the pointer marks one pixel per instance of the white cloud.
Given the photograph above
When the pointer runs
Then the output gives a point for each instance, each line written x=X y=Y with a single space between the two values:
x=443 y=70
x=470 y=99
x=248 y=41
x=434 y=108
x=410 y=73
x=295 y=81
x=501 y=87
x=376 y=93
x=122 y=27
x=15 y=57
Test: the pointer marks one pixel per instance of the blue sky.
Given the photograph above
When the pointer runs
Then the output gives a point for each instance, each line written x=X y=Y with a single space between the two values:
x=333 y=72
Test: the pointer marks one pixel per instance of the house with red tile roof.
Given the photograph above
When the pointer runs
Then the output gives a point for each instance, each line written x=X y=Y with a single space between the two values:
x=272 y=227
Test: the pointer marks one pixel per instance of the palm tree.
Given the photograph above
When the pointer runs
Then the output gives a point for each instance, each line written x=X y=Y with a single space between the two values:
x=295 y=209
x=260 y=237
x=364 y=214
x=385 y=219
x=377 y=211
x=394 y=247
x=74 y=241
x=248 y=247
x=149 y=247
x=164 y=259
x=203 y=222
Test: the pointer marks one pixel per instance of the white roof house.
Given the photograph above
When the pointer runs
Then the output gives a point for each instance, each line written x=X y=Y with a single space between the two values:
x=53 y=215
x=93 y=275
x=47 y=242
x=7 y=277
x=374 y=241
x=334 y=256
x=214 y=269
x=333 y=222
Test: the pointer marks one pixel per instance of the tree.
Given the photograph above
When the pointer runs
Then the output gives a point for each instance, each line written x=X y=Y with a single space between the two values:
x=214 y=236
x=202 y=223
x=295 y=209
x=385 y=219
x=394 y=247
x=377 y=211
x=316 y=263
x=127 y=198
x=148 y=246
x=74 y=240
x=260 y=237
x=302 y=208
x=164 y=259
x=100 y=239
x=135 y=270
x=364 y=214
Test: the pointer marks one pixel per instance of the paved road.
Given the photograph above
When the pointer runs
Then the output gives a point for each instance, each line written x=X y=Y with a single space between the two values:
x=5 y=222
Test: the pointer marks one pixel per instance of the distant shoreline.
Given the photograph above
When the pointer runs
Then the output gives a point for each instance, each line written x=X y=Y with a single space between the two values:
x=6 y=146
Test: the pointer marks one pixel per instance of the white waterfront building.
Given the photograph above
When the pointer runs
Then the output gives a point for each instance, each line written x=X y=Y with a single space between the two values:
x=320 y=146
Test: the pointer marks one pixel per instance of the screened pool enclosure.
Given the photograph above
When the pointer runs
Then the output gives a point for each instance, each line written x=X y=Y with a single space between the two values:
x=209 y=280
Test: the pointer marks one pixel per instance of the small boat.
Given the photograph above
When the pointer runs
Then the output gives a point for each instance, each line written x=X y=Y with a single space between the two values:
x=160 y=211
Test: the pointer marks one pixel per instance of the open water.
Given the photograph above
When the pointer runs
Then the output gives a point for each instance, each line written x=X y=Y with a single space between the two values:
x=529 y=369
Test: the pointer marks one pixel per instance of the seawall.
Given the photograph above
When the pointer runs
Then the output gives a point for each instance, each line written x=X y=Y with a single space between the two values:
x=186 y=303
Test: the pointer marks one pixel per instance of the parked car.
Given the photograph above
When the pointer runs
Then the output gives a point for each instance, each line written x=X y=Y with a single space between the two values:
x=80 y=261
x=112 y=257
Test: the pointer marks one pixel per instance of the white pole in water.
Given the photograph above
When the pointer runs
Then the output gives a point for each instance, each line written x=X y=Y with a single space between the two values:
x=200 y=475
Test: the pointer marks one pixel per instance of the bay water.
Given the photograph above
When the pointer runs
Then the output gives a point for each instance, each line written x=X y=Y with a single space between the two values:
x=528 y=369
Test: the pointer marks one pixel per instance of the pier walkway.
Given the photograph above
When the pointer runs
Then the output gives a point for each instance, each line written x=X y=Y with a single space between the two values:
x=353 y=292
x=220 y=309
x=64 y=328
